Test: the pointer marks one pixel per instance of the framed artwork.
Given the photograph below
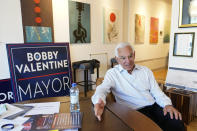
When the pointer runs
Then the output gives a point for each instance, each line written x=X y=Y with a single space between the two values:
x=154 y=30
x=37 y=17
x=111 y=26
x=79 y=22
x=139 y=28
x=187 y=13
x=183 y=44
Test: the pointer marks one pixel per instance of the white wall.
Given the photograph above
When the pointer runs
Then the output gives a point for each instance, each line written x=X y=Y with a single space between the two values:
x=96 y=46
x=181 y=62
x=182 y=70
x=10 y=22
x=149 y=8
x=11 y=26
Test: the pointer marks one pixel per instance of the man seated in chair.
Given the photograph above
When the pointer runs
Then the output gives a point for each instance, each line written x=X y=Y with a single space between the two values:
x=135 y=86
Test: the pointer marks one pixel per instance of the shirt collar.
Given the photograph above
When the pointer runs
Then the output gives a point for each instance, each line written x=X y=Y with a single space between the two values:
x=121 y=69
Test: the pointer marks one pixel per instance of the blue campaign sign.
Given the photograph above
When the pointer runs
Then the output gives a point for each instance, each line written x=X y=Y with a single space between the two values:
x=6 y=94
x=39 y=70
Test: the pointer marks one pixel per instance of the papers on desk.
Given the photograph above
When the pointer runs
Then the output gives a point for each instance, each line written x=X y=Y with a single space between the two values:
x=59 y=121
x=43 y=108
x=76 y=129
x=18 y=123
x=11 y=110
x=16 y=110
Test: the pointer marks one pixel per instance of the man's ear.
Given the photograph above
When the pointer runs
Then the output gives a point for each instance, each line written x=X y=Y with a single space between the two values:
x=117 y=59
x=134 y=54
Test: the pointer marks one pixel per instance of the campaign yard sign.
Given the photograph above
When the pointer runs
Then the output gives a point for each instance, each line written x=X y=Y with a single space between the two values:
x=39 y=70
x=6 y=94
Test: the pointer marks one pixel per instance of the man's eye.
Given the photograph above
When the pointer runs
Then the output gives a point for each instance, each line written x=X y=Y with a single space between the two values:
x=130 y=56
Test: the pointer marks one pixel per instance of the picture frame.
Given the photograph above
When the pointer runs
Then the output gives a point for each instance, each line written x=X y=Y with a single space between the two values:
x=185 y=14
x=183 y=44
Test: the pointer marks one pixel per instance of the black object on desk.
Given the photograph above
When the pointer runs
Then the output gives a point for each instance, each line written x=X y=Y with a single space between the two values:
x=7 y=127
x=86 y=65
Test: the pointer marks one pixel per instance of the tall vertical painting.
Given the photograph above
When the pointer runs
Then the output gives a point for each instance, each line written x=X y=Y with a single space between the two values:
x=37 y=20
x=111 y=26
x=79 y=22
x=154 y=29
x=166 y=38
x=139 y=28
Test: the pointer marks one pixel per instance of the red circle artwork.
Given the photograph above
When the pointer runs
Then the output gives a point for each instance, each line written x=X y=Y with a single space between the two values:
x=112 y=17
x=37 y=1
x=37 y=9
x=38 y=20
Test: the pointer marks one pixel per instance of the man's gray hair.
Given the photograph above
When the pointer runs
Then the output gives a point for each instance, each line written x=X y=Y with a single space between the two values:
x=122 y=45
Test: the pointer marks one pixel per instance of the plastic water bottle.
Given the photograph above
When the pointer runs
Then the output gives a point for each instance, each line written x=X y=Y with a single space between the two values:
x=74 y=98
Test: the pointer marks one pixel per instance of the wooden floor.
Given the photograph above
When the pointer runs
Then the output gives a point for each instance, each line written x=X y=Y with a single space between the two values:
x=160 y=75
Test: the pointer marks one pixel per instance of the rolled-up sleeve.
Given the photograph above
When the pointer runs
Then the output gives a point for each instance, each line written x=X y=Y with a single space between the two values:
x=103 y=89
x=157 y=93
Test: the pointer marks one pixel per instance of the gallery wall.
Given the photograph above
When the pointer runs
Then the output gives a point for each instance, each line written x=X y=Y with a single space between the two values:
x=11 y=30
x=176 y=61
x=181 y=70
x=157 y=54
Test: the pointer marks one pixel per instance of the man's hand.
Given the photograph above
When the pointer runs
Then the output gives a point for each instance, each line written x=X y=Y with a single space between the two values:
x=98 y=109
x=172 y=111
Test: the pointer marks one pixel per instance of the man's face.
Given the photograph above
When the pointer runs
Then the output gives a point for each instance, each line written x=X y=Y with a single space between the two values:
x=126 y=58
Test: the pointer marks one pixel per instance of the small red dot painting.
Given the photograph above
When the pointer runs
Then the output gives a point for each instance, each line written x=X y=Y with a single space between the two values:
x=37 y=1
x=112 y=17
x=38 y=20
x=37 y=9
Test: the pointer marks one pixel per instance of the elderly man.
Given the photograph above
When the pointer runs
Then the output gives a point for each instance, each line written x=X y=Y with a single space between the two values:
x=135 y=86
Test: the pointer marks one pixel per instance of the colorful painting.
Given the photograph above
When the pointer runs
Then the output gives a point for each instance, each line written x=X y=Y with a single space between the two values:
x=166 y=38
x=111 y=26
x=79 y=22
x=154 y=29
x=139 y=28
x=37 y=17
x=39 y=70
x=38 y=34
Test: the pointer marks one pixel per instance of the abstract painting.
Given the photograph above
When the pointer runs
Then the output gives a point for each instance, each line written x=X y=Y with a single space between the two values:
x=38 y=34
x=37 y=20
x=139 y=28
x=111 y=26
x=154 y=29
x=79 y=22
x=166 y=38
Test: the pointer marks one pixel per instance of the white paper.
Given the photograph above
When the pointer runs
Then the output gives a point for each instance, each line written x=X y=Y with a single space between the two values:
x=43 y=108
x=11 y=110
x=184 y=44
x=186 y=79
x=18 y=123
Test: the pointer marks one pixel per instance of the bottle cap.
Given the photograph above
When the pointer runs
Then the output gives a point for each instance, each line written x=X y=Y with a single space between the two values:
x=74 y=84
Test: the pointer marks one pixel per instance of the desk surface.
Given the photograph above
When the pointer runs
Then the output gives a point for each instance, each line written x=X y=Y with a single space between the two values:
x=116 y=117
x=133 y=118
x=110 y=121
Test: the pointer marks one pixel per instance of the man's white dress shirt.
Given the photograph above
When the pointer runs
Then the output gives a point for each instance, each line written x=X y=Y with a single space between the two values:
x=136 y=90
